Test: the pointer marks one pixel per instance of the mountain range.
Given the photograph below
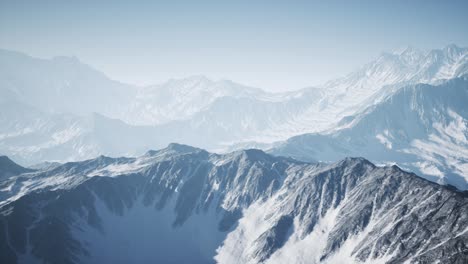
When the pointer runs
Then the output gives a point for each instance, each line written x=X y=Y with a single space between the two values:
x=186 y=205
x=392 y=110
x=422 y=127
x=368 y=168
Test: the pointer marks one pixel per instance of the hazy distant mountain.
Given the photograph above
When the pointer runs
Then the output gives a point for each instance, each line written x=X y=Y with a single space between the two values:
x=60 y=85
x=31 y=136
x=421 y=127
x=185 y=205
x=407 y=66
x=227 y=113
x=60 y=98
x=373 y=82
x=181 y=99
x=235 y=113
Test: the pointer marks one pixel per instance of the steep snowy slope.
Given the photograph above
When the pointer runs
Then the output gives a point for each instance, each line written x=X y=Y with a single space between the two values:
x=423 y=128
x=185 y=205
x=352 y=212
x=408 y=66
x=375 y=81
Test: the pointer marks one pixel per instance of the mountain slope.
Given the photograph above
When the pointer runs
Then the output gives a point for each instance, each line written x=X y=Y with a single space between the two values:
x=398 y=69
x=226 y=112
x=31 y=136
x=375 y=81
x=181 y=99
x=234 y=114
x=9 y=168
x=351 y=211
x=246 y=206
x=60 y=85
x=421 y=127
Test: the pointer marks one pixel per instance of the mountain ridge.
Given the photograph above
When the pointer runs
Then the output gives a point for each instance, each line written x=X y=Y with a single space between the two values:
x=266 y=206
x=214 y=115
x=421 y=127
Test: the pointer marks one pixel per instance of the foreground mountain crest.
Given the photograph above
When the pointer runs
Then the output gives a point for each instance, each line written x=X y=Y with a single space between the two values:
x=183 y=204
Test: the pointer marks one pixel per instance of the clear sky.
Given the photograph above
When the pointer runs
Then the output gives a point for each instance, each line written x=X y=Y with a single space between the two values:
x=274 y=45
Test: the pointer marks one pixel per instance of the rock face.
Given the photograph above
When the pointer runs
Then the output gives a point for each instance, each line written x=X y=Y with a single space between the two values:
x=353 y=211
x=185 y=205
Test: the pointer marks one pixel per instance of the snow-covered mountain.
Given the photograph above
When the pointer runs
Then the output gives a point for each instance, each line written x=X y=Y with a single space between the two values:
x=180 y=99
x=63 y=110
x=49 y=110
x=60 y=85
x=31 y=136
x=185 y=205
x=231 y=113
x=399 y=68
x=370 y=84
x=423 y=128
x=250 y=115
x=211 y=114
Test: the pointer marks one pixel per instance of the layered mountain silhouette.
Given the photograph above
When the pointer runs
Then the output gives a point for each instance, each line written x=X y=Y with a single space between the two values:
x=224 y=112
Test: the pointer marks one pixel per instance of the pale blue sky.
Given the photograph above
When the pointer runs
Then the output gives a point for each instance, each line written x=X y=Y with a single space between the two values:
x=274 y=45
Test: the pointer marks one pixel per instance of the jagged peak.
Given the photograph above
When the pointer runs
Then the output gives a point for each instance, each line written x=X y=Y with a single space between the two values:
x=176 y=148
x=5 y=159
x=251 y=155
x=452 y=47
x=350 y=161
x=255 y=153
x=101 y=159
x=181 y=147
x=8 y=167
x=412 y=54
x=405 y=51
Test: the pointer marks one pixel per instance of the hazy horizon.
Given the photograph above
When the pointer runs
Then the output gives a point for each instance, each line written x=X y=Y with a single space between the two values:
x=267 y=89
x=270 y=45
